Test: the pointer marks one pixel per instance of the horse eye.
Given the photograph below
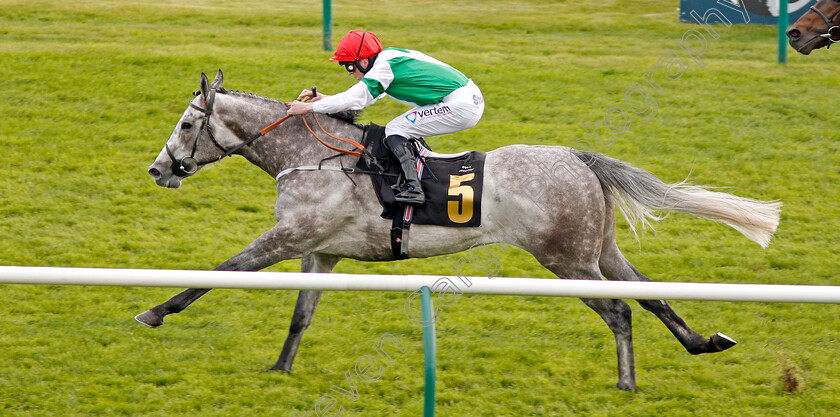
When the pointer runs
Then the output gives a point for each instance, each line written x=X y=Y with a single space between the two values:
x=186 y=126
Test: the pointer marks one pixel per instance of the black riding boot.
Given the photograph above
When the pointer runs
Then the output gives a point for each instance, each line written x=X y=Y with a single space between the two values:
x=402 y=149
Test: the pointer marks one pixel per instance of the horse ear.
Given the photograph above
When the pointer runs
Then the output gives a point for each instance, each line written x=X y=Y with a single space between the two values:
x=217 y=83
x=204 y=86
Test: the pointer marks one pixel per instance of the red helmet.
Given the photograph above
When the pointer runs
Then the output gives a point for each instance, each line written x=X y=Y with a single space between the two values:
x=357 y=45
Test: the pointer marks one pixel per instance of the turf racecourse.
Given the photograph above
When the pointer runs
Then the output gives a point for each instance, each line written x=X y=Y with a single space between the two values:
x=91 y=91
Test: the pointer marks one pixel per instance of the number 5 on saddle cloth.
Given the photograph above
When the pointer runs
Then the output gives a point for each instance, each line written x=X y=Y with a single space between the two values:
x=452 y=184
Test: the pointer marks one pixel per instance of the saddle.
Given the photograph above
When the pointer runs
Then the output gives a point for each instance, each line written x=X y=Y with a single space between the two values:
x=453 y=184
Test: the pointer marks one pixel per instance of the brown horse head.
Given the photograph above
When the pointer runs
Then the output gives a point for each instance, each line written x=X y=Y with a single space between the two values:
x=816 y=28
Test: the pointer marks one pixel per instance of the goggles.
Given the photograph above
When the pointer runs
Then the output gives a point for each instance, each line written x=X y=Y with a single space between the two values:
x=349 y=66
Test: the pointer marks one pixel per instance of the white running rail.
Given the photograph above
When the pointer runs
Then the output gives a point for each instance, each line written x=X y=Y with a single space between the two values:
x=411 y=283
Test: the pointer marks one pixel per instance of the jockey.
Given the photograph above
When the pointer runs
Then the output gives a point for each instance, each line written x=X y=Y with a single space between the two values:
x=443 y=99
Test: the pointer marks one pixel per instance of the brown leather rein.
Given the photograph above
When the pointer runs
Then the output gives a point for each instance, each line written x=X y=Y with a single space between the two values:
x=358 y=145
x=188 y=165
x=303 y=116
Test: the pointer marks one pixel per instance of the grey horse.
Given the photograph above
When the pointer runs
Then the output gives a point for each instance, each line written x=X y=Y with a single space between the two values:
x=564 y=199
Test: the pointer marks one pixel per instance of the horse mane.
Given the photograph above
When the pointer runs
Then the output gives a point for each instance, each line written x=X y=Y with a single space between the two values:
x=347 y=116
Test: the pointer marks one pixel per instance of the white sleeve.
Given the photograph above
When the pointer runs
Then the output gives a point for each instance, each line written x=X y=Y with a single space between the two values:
x=356 y=97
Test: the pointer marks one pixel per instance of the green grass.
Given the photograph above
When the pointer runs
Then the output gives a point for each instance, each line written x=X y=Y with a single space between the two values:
x=91 y=91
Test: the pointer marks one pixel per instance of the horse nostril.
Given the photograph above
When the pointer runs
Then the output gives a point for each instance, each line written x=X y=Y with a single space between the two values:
x=794 y=33
x=154 y=173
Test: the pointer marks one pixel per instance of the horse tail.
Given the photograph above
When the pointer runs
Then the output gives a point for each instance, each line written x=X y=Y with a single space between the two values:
x=639 y=193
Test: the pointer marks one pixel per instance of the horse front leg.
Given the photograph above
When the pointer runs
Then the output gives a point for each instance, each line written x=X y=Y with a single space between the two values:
x=154 y=316
x=304 y=310
x=267 y=250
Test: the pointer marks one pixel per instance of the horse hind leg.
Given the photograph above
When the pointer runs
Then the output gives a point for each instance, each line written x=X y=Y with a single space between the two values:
x=304 y=310
x=619 y=318
x=693 y=342
x=615 y=267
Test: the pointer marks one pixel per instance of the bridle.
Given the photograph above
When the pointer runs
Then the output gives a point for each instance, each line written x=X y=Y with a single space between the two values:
x=188 y=165
x=833 y=28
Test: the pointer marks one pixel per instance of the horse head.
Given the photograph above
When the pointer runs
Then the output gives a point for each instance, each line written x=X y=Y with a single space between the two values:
x=220 y=123
x=183 y=155
x=816 y=28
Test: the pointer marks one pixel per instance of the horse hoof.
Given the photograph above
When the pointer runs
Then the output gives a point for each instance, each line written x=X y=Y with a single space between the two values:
x=282 y=367
x=722 y=341
x=149 y=319
x=626 y=385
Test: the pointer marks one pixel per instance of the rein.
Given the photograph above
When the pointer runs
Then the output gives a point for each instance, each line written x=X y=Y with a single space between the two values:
x=344 y=151
x=188 y=165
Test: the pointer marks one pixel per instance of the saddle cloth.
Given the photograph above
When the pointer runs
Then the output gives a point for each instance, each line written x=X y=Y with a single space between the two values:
x=452 y=183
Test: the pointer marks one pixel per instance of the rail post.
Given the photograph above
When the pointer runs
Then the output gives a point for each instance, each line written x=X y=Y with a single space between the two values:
x=429 y=350
x=783 y=24
x=328 y=25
